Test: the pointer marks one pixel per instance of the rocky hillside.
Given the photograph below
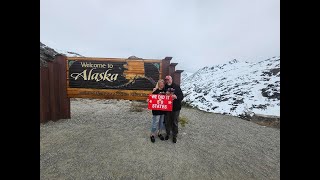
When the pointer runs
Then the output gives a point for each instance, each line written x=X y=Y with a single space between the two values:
x=185 y=75
x=47 y=54
x=236 y=88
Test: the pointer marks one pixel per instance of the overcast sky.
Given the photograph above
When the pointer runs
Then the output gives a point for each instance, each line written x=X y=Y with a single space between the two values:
x=196 y=33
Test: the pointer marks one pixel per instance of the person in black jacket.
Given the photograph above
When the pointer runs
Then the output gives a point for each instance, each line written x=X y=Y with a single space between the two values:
x=157 y=116
x=171 y=118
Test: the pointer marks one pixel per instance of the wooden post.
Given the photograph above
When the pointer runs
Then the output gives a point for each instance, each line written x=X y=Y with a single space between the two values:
x=44 y=95
x=165 y=66
x=56 y=71
x=172 y=68
x=177 y=77
x=52 y=92
x=64 y=101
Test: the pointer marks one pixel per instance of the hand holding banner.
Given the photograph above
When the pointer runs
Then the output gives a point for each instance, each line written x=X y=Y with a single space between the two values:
x=160 y=102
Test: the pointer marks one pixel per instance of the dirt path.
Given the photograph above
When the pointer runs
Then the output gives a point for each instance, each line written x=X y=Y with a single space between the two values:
x=105 y=140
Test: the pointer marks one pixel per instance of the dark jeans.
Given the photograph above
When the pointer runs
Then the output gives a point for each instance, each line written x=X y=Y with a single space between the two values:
x=171 y=122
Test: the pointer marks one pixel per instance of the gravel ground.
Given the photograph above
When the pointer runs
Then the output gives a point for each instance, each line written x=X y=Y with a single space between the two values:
x=105 y=140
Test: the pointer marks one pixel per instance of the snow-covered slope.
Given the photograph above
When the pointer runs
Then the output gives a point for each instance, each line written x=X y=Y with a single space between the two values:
x=69 y=53
x=236 y=88
x=47 y=54
x=185 y=74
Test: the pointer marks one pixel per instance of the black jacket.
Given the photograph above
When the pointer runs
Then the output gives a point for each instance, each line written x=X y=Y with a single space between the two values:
x=178 y=93
x=158 y=112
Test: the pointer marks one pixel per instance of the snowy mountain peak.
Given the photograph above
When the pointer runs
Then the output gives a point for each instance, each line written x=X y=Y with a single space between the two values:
x=47 y=54
x=235 y=88
x=42 y=45
x=69 y=53
x=233 y=61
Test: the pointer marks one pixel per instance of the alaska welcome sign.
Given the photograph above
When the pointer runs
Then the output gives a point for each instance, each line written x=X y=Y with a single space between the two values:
x=103 y=78
x=112 y=78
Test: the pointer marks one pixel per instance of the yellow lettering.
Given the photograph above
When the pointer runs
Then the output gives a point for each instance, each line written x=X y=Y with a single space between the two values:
x=77 y=75
x=105 y=76
x=114 y=77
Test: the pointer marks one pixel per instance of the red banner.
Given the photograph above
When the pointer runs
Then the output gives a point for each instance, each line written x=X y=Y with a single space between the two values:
x=160 y=102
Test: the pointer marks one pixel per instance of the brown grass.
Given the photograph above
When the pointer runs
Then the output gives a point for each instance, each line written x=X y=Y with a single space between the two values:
x=183 y=121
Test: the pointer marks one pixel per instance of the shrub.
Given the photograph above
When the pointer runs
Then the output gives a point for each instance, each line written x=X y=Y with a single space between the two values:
x=183 y=121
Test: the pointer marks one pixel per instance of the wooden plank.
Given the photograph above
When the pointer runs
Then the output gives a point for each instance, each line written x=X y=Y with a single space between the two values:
x=97 y=59
x=67 y=71
x=152 y=61
x=177 y=77
x=42 y=112
x=57 y=89
x=44 y=95
x=52 y=93
x=111 y=59
x=165 y=67
x=172 y=68
x=137 y=98
x=111 y=90
x=64 y=101
x=108 y=93
x=161 y=70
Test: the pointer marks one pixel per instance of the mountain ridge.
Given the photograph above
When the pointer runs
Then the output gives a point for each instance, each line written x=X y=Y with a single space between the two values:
x=47 y=54
x=236 y=88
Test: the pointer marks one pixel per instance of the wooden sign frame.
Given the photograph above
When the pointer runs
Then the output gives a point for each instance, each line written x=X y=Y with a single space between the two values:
x=134 y=68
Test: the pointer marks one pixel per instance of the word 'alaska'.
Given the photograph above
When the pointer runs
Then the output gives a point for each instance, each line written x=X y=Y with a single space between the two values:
x=90 y=75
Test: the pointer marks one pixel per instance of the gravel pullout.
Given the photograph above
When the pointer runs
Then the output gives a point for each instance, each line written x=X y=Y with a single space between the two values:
x=105 y=140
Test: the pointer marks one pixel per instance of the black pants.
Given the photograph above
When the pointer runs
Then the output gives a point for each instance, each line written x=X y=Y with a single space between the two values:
x=171 y=122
